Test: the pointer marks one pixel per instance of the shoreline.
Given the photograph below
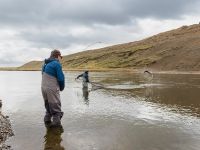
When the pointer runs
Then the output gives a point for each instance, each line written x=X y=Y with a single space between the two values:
x=116 y=70
x=5 y=130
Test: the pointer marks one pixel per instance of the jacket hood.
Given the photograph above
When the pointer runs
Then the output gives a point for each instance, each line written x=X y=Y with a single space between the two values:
x=46 y=61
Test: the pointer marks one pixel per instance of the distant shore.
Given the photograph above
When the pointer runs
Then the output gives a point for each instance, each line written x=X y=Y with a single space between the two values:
x=108 y=70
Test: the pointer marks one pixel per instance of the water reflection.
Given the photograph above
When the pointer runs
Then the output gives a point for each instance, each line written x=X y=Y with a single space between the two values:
x=128 y=113
x=53 y=139
x=85 y=95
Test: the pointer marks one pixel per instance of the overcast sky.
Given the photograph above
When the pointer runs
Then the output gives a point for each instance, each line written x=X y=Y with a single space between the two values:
x=29 y=30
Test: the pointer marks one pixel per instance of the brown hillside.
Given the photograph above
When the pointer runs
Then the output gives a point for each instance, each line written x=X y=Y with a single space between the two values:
x=177 y=49
x=33 y=65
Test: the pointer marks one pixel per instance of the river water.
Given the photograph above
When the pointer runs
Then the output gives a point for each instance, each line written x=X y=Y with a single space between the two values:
x=131 y=112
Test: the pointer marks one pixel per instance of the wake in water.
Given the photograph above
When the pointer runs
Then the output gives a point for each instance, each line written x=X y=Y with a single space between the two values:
x=147 y=75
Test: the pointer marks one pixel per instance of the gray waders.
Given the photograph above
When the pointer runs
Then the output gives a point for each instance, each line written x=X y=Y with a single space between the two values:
x=51 y=95
x=84 y=83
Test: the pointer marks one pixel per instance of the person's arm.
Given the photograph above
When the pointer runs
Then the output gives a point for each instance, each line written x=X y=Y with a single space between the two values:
x=79 y=76
x=60 y=77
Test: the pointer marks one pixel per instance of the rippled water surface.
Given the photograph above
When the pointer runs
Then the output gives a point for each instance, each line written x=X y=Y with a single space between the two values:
x=130 y=112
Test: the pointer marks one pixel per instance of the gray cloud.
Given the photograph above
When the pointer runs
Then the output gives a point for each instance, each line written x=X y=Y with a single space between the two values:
x=46 y=12
x=161 y=9
x=46 y=24
x=53 y=38
x=47 y=39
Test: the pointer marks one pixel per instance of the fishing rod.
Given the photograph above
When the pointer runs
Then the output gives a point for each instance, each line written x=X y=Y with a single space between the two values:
x=91 y=45
x=95 y=85
x=98 y=85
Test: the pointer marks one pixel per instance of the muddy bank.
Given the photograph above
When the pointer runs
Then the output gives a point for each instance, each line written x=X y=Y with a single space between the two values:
x=5 y=130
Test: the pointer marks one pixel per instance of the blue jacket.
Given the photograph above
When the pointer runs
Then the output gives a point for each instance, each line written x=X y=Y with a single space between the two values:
x=53 y=68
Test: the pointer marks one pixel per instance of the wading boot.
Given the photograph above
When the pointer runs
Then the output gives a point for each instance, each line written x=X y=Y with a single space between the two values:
x=47 y=119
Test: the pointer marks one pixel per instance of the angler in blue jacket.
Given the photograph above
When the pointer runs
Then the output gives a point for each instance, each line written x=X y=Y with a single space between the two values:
x=53 y=81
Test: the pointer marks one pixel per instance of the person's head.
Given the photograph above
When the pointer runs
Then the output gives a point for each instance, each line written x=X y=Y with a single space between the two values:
x=56 y=54
x=86 y=72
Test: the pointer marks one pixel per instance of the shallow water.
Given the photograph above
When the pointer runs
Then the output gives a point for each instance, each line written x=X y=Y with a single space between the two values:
x=129 y=112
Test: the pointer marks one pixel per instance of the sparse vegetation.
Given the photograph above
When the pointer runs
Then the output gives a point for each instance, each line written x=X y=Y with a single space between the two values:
x=177 y=49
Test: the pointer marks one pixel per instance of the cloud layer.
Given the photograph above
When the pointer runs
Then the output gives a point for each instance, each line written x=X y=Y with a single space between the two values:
x=33 y=28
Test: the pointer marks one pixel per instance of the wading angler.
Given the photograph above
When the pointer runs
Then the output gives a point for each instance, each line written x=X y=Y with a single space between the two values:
x=53 y=81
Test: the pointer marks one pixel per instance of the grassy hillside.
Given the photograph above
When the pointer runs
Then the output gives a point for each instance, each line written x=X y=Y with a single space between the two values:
x=177 y=49
x=33 y=65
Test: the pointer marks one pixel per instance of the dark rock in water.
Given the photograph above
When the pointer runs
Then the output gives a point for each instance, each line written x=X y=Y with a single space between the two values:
x=0 y=105
x=5 y=132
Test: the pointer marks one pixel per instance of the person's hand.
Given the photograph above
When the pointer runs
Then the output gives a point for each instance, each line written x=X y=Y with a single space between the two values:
x=61 y=89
